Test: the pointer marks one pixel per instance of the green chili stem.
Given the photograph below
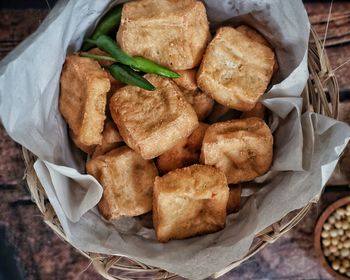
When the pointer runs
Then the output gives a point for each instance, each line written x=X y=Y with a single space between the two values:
x=101 y=57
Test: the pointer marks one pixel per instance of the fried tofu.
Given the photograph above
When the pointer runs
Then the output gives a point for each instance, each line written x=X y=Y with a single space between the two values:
x=82 y=101
x=257 y=37
x=89 y=149
x=187 y=79
x=236 y=70
x=252 y=34
x=127 y=180
x=171 y=33
x=201 y=102
x=189 y=201
x=242 y=149
x=152 y=122
x=185 y=153
x=234 y=199
x=258 y=111
x=111 y=139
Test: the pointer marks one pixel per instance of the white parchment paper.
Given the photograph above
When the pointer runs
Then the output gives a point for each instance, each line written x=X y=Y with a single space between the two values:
x=307 y=147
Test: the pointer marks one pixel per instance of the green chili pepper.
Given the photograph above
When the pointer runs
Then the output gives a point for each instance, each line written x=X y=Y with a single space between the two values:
x=107 y=23
x=99 y=57
x=108 y=45
x=149 y=66
x=128 y=76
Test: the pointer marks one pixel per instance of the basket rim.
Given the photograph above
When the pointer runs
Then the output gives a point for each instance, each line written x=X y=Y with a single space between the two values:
x=321 y=81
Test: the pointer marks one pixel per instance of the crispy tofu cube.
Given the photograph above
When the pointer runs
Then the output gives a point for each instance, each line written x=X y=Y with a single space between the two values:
x=242 y=149
x=152 y=122
x=201 y=102
x=187 y=79
x=257 y=37
x=127 y=180
x=89 y=149
x=185 y=153
x=236 y=69
x=234 y=199
x=82 y=101
x=171 y=33
x=111 y=139
x=252 y=34
x=189 y=202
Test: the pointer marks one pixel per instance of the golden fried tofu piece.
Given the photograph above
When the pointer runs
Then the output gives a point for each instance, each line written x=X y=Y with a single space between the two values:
x=258 y=111
x=171 y=33
x=200 y=101
x=82 y=101
x=235 y=69
x=242 y=149
x=257 y=37
x=234 y=199
x=187 y=79
x=111 y=139
x=252 y=34
x=127 y=180
x=89 y=149
x=185 y=153
x=189 y=201
x=152 y=122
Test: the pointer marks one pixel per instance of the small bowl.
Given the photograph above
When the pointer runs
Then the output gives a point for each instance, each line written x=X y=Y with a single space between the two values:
x=317 y=236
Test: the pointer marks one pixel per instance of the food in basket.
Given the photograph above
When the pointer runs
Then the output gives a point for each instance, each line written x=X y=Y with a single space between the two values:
x=111 y=139
x=184 y=153
x=201 y=102
x=242 y=149
x=89 y=149
x=189 y=201
x=235 y=69
x=234 y=199
x=152 y=123
x=116 y=94
x=127 y=180
x=82 y=102
x=173 y=33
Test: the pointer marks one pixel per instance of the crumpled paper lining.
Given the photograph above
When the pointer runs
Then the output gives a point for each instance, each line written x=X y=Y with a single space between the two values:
x=306 y=150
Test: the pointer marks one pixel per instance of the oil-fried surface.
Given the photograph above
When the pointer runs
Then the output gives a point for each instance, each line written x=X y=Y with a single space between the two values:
x=82 y=101
x=235 y=69
x=152 y=122
x=89 y=149
x=127 y=181
x=242 y=149
x=234 y=199
x=257 y=37
x=201 y=102
x=111 y=139
x=171 y=33
x=189 y=202
x=185 y=153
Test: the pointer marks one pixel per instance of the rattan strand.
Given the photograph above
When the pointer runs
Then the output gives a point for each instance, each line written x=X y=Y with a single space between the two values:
x=320 y=95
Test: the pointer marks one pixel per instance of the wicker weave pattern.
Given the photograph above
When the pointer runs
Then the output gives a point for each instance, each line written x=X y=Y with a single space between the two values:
x=321 y=95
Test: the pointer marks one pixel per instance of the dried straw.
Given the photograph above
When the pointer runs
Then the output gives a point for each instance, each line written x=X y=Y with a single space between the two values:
x=321 y=95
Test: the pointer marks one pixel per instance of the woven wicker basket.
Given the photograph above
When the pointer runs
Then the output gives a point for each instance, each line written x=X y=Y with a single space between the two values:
x=320 y=95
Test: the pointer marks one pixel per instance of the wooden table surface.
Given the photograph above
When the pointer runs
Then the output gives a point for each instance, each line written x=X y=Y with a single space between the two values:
x=40 y=254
